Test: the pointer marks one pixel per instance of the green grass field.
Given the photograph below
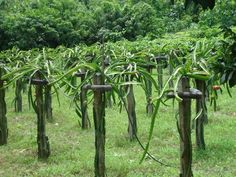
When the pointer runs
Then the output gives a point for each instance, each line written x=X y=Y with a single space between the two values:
x=72 y=149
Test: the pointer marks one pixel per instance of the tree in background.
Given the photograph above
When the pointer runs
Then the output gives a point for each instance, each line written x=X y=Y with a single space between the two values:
x=35 y=24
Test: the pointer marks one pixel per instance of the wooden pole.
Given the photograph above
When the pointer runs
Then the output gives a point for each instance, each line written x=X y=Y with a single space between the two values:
x=83 y=100
x=185 y=130
x=42 y=139
x=99 y=122
x=200 y=142
x=3 y=111
x=184 y=124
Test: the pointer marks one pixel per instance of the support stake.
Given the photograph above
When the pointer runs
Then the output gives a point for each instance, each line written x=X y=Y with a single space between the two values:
x=184 y=124
x=185 y=131
x=42 y=139
x=3 y=111
x=99 y=122
x=83 y=101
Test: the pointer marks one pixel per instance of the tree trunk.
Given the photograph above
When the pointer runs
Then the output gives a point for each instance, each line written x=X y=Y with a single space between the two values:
x=132 y=127
x=42 y=139
x=200 y=120
x=185 y=131
x=3 y=111
x=99 y=123
x=48 y=103
x=18 y=96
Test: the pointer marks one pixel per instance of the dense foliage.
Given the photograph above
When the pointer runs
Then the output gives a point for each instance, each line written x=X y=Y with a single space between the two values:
x=225 y=64
x=29 y=23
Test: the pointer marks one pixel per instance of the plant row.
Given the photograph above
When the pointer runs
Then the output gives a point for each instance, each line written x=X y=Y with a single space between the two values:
x=108 y=71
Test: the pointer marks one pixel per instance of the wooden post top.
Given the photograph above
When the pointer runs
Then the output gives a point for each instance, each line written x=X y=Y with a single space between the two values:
x=97 y=87
x=80 y=74
x=148 y=66
x=38 y=82
x=160 y=58
x=192 y=94
x=106 y=62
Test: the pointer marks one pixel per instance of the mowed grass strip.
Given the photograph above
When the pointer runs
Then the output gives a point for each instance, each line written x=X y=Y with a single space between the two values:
x=72 y=149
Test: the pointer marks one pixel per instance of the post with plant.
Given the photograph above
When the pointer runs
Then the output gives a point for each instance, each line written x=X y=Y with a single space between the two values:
x=184 y=124
x=185 y=131
x=83 y=101
x=99 y=89
x=3 y=111
x=42 y=139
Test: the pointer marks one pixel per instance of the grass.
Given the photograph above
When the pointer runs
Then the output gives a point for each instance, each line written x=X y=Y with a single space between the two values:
x=72 y=149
